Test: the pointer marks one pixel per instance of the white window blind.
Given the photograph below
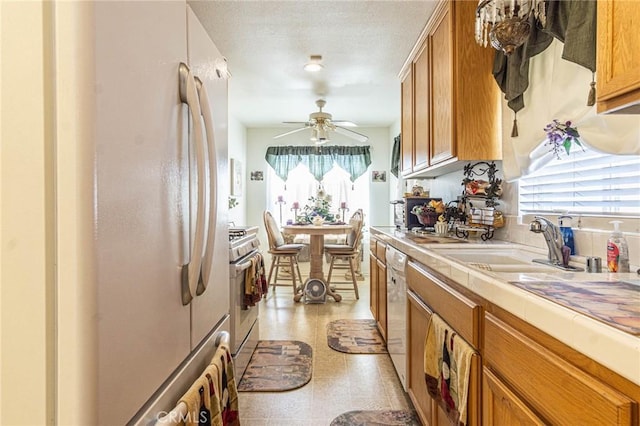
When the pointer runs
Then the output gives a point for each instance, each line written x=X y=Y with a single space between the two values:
x=586 y=182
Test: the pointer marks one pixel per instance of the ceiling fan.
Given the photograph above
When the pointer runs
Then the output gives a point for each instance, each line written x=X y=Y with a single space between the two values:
x=321 y=124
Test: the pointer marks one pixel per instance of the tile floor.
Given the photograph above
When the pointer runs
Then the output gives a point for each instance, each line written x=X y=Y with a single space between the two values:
x=340 y=382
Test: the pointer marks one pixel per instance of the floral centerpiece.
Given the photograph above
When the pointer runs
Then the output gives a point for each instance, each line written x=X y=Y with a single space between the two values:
x=560 y=136
x=428 y=213
x=318 y=206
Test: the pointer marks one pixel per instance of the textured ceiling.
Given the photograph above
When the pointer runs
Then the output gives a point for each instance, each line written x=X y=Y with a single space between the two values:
x=266 y=43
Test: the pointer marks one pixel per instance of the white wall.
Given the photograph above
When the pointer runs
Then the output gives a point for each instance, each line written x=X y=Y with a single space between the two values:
x=27 y=283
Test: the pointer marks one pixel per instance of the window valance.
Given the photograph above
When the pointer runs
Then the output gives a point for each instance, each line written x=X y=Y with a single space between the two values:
x=319 y=160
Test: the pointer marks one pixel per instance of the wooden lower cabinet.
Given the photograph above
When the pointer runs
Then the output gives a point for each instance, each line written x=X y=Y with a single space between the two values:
x=418 y=315
x=524 y=377
x=429 y=412
x=378 y=285
x=381 y=319
x=536 y=380
x=373 y=283
x=500 y=406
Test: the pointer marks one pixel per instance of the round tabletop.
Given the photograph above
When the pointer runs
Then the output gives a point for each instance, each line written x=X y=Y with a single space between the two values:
x=316 y=229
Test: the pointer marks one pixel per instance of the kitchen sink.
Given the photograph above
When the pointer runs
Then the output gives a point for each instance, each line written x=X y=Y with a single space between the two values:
x=497 y=260
x=515 y=268
x=505 y=256
x=433 y=239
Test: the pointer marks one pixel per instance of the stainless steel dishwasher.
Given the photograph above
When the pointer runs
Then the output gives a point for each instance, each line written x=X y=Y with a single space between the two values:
x=397 y=311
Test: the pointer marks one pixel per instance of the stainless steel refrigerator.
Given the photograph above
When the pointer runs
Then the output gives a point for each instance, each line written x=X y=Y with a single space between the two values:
x=160 y=180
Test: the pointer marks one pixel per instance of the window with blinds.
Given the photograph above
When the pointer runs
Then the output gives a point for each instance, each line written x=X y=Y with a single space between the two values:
x=586 y=182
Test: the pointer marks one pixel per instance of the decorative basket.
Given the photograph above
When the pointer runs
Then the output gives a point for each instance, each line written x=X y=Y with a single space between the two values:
x=428 y=219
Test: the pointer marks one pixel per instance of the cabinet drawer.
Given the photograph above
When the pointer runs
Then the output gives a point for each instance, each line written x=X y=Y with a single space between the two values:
x=558 y=391
x=381 y=251
x=457 y=310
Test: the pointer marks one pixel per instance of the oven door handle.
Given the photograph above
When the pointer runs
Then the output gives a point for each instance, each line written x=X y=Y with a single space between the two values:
x=244 y=265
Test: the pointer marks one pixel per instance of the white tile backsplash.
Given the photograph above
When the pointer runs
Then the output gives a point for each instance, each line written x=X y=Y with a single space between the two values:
x=588 y=242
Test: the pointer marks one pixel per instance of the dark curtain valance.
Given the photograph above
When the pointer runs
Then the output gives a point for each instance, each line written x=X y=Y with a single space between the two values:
x=573 y=22
x=353 y=159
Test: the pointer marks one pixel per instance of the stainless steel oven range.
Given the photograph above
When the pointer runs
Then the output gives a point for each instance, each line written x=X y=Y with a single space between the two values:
x=245 y=332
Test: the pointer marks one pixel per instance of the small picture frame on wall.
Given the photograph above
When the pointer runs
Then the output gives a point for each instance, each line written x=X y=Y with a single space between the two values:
x=257 y=175
x=377 y=176
x=235 y=167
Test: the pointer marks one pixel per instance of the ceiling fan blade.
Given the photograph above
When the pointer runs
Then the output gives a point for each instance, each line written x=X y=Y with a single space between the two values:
x=306 y=123
x=290 y=132
x=345 y=123
x=350 y=133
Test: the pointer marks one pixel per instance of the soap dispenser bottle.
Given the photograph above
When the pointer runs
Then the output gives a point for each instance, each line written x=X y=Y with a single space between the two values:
x=564 y=223
x=617 y=250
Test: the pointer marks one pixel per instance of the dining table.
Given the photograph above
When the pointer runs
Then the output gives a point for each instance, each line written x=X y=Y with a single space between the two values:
x=316 y=250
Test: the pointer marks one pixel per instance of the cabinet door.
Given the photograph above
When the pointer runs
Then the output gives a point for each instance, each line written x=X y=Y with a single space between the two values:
x=618 y=59
x=406 y=152
x=440 y=44
x=500 y=406
x=422 y=109
x=418 y=316
x=558 y=391
x=373 y=286
x=382 y=299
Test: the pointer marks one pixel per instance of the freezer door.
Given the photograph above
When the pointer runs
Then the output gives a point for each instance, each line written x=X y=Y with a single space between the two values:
x=141 y=201
x=208 y=308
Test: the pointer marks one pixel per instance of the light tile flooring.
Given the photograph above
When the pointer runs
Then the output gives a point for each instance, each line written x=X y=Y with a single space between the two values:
x=340 y=382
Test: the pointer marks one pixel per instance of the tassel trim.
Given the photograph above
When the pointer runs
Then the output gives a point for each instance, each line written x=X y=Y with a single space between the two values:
x=514 y=129
x=591 y=100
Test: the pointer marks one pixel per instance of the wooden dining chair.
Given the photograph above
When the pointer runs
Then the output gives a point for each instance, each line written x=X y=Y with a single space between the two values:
x=347 y=253
x=282 y=255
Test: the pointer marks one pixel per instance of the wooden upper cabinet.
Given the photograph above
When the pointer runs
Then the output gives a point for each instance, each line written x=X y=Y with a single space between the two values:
x=422 y=108
x=406 y=151
x=478 y=105
x=455 y=114
x=440 y=42
x=618 y=57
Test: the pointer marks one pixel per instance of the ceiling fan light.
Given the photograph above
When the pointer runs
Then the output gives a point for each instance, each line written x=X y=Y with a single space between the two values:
x=314 y=64
x=314 y=135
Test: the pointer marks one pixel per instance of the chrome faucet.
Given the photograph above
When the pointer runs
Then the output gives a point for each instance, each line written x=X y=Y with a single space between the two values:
x=552 y=236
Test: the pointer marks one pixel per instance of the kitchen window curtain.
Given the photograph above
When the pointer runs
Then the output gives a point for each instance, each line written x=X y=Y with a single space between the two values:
x=319 y=160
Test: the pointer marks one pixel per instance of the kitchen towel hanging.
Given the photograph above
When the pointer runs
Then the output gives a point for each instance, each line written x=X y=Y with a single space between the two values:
x=447 y=364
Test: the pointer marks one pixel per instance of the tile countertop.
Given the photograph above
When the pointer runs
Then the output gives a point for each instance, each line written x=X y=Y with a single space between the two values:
x=611 y=347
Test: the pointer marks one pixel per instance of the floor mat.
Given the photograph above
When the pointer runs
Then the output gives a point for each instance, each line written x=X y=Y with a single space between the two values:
x=276 y=366
x=376 y=417
x=359 y=336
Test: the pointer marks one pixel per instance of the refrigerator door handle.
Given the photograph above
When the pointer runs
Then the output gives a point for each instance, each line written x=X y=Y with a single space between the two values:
x=191 y=270
x=207 y=259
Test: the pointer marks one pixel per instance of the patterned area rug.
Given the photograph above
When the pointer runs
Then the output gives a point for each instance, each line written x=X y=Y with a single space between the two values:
x=376 y=417
x=276 y=366
x=358 y=336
